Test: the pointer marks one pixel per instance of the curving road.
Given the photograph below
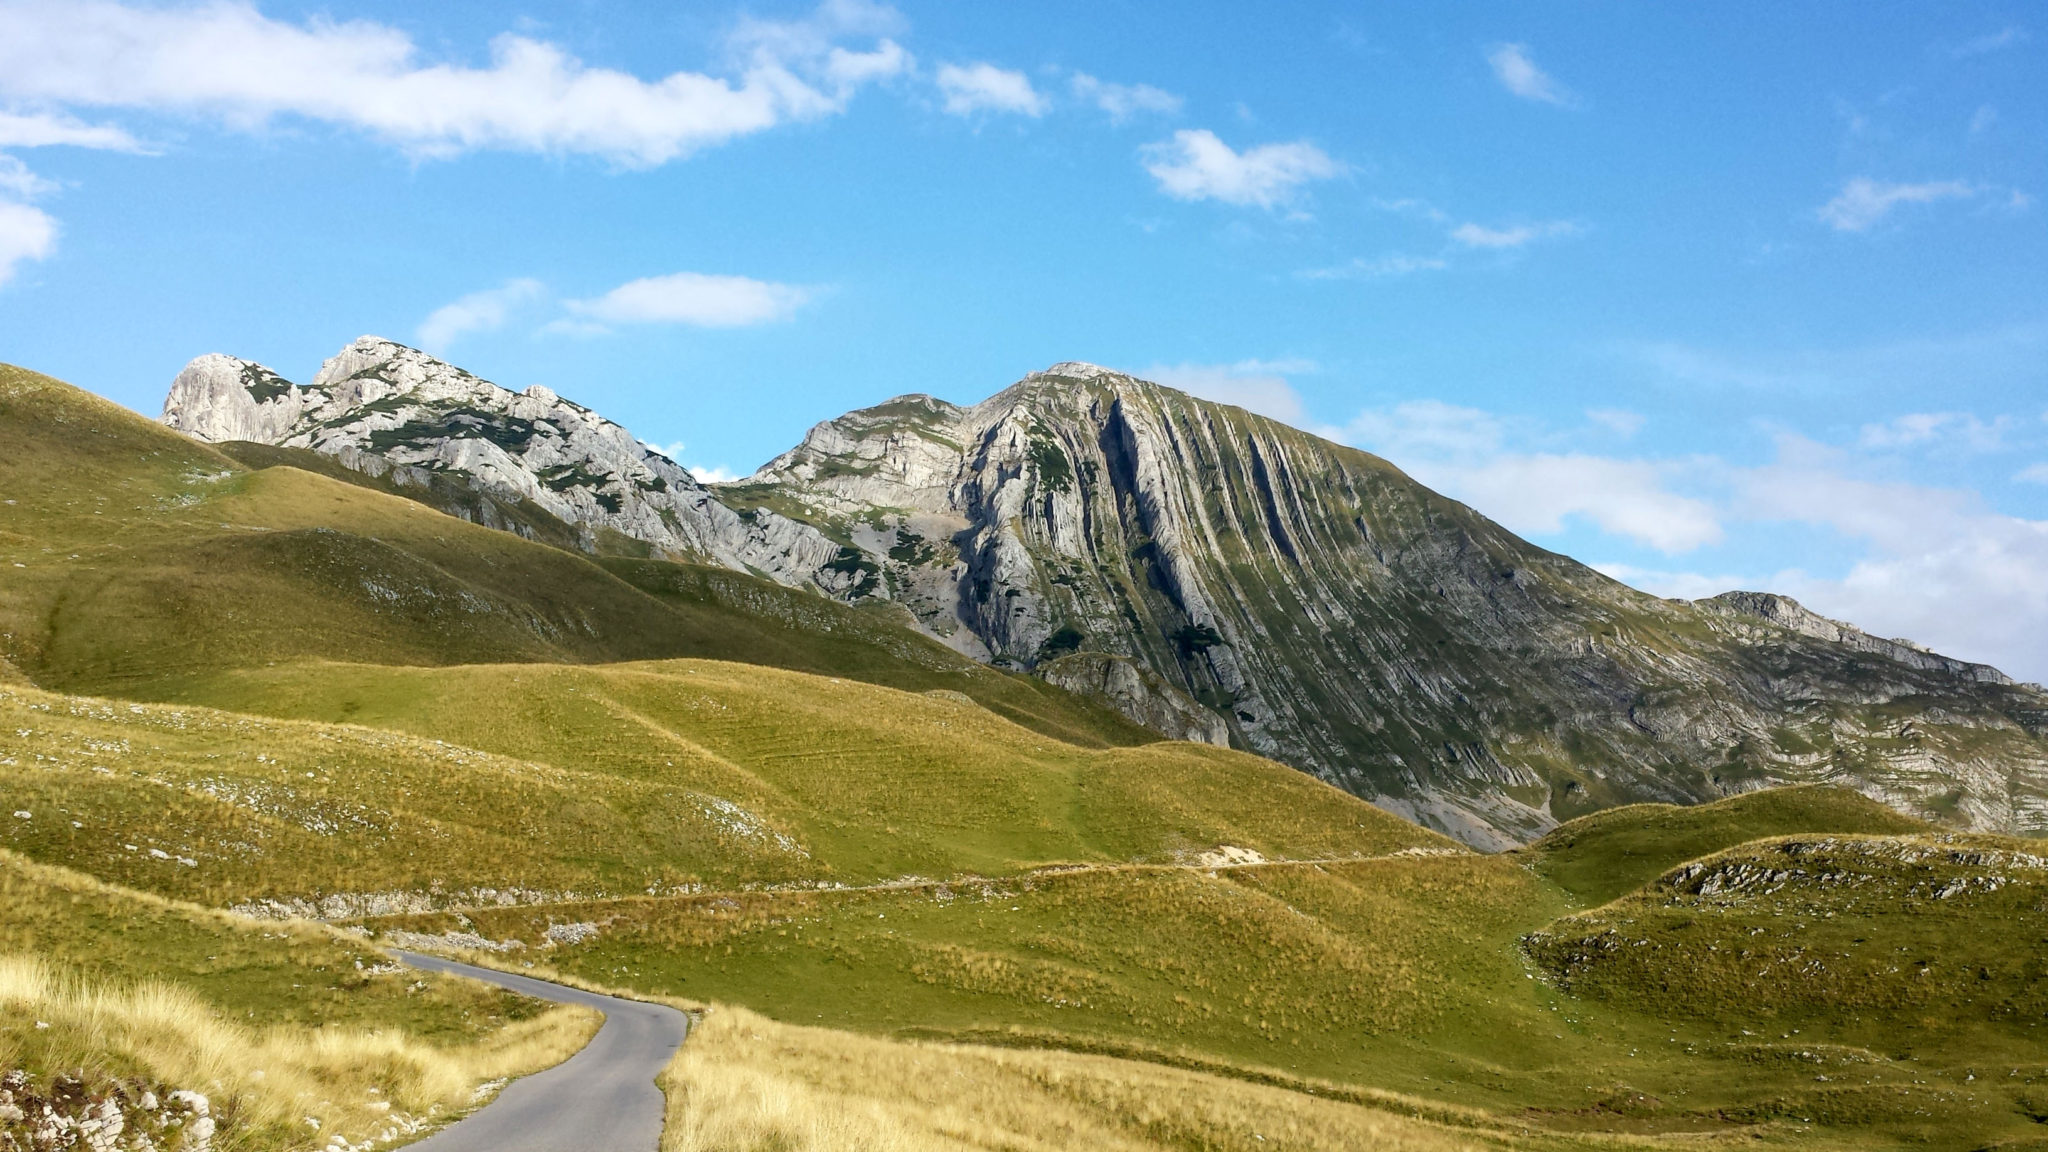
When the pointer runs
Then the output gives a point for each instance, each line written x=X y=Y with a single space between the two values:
x=603 y=1099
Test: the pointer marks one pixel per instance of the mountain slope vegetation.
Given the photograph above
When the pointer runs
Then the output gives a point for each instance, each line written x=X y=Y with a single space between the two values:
x=1326 y=609
x=875 y=858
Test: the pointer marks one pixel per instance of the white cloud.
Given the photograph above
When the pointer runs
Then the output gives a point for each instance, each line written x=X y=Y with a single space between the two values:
x=477 y=312
x=1464 y=453
x=1983 y=119
x=690 y=298
x=1520 y=235
x=1195 y=165
x=1520 y=75
x=717 y=474
x=1379 y=267
x=1863 y=202
x=1949 y=429
x=981 y=87
x=43 y=130
x=1990 y=42
x=1123 y=101
x=1619 y=421
x=1935 y=565
x=1940 y=567
x=2033 y=474
x=1257 y=385
x=17 y=179
x=227 y=61
x=26 y=233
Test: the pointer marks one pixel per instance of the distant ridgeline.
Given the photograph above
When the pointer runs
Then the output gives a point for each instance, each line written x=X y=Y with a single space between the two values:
x=1211 y=574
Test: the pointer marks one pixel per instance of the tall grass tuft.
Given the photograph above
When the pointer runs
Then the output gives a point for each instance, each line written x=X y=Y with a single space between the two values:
x=271 y=1087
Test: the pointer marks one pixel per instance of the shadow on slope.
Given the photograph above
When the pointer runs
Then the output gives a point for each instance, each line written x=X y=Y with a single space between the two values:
x=132 y=559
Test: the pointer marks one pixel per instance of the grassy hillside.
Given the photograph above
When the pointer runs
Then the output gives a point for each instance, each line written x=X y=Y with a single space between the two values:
x=132 y=559
x=613 y=780
x=1601 y=856
x=1850 y=957
x=107 y=994
x=972 y=911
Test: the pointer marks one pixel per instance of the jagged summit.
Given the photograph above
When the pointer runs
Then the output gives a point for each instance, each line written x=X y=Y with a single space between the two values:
x=1221 y=575
x=379 y=405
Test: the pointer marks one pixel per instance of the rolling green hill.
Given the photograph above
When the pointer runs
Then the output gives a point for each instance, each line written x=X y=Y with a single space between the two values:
x=135 y=559
x=294 y=694
x=1601 y=856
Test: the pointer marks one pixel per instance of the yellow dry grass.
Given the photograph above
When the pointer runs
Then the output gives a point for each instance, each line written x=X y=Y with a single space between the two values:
x=745 y=1083
x=359 y=1083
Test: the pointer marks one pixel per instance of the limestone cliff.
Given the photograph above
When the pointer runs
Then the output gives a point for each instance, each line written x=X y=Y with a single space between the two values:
x=1342 y=618
x=1217 y=575
x=392 y=411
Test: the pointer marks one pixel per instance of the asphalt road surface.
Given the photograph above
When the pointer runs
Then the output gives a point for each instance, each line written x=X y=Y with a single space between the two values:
x=602 y=1099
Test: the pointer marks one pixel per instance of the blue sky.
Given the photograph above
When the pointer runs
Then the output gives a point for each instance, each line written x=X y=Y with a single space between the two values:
x=1709 y=296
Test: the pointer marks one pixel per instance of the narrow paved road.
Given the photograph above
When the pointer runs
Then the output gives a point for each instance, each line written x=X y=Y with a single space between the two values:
x=602 y=1099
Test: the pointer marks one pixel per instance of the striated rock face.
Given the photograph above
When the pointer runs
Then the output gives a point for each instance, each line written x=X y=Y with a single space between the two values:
x=1338 y=616
x=1139 y=693
x=1788 y=613
x=385 y=409
x=1215 y=574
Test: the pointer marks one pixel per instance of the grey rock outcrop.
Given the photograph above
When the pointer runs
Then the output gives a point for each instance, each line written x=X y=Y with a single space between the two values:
x=1139 y=693
x=1213 y=573
x=380 y=407
x=1344 y=619
x=1787 y=613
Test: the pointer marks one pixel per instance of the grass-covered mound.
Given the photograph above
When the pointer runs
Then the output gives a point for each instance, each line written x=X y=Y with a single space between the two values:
x=1601 y=856
x=133 y=559
x=552 y=781
x=142 y=1017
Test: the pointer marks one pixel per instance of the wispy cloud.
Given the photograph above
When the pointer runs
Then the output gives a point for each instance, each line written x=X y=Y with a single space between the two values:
x=1387 y=266
x=2033 y=474
x=1864 y=202
x=1479 y=457
x=1518 y=73
x=45 y=129
x=477 y=312
x=2010 y=354
x=1123 y=101
x=1949 y=430
x=1196 y=165
x=228 y=62
x=1258 y=385
x=691 y=298
x=2006 y=37
x=26 y=233
x=1515 y=236
x=1619 y=421
x=970 y=89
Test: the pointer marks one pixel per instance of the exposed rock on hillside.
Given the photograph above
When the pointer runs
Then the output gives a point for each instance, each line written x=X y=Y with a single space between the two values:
x=396 y=413
x=1184 y=560
x=1344 y=619
x=1139 y=693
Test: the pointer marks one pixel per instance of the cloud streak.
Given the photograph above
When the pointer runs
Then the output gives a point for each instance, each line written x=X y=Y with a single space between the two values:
x=477 y=312
x=971 y=89
x=1863 y=203
x=1518 y=73
x=1196 y=165
x=693 y=299
x=1123 y=101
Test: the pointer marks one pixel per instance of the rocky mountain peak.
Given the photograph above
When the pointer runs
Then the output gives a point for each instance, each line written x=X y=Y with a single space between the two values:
x=379 y=406
x=1220 y=575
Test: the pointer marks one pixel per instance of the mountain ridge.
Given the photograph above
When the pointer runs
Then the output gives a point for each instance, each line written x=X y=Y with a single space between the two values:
x=1330 y=611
